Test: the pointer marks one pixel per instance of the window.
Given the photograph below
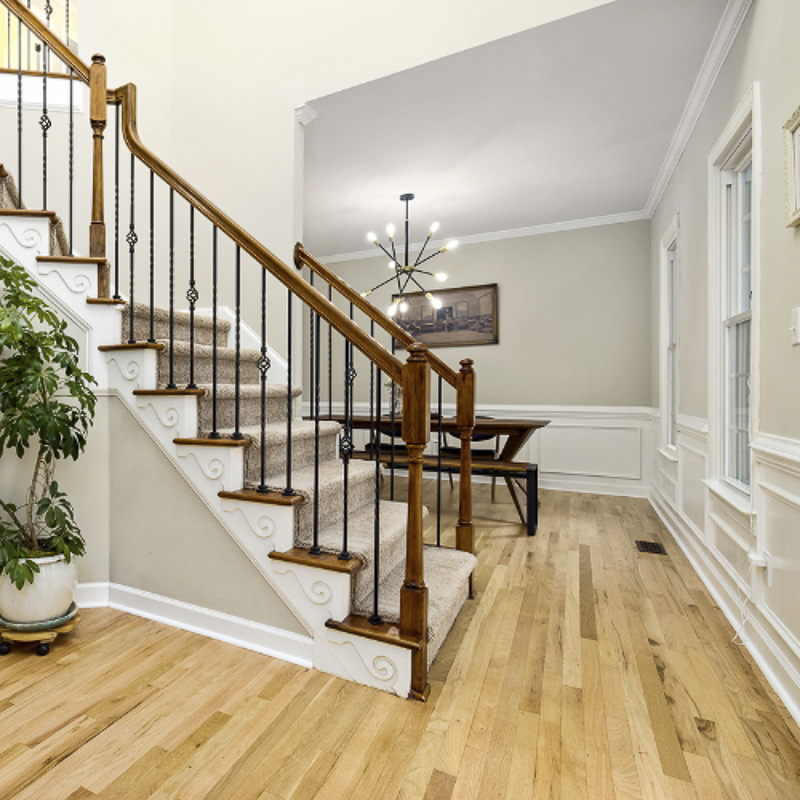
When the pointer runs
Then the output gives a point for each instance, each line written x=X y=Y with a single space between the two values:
x=734 y=186
x=737 y=257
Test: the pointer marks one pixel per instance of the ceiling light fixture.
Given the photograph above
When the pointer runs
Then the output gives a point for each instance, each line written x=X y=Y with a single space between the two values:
x=405 y=272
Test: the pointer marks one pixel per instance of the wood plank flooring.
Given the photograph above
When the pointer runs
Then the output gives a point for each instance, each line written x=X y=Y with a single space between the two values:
x=582 y=669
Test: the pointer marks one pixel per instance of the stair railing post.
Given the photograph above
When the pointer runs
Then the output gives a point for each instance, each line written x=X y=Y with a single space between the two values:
x=465 y=421
x=97 y=115
x=416 y=429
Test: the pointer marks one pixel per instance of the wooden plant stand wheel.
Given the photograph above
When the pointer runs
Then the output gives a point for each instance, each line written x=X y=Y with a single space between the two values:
x=44 y=637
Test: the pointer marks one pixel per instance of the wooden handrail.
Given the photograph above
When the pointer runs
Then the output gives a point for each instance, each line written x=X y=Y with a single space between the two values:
x=373 y=350
x=31 y=21
x=302 y=256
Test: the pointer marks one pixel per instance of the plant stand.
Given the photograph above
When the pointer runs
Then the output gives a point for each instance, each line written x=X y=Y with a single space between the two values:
x=43 y=637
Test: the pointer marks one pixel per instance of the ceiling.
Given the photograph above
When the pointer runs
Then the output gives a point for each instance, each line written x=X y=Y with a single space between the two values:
x=568 y=121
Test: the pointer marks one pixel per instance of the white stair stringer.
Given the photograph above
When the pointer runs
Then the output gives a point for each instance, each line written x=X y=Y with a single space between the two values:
x=314 y=595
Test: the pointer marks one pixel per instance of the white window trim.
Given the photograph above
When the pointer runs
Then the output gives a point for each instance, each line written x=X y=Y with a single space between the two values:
x=668 y=240
x=747 y=116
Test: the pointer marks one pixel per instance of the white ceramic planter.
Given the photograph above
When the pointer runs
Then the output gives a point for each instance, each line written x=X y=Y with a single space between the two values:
x=48 y=597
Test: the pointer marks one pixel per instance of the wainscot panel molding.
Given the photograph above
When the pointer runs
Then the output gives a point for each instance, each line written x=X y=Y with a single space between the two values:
x=286 y=645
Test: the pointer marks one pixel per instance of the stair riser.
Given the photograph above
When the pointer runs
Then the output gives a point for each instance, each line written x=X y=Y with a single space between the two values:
x=364 y=579
x=226 y=369
x=203 y=332
x=249 y=411
x=331 y=506
x=302 y=456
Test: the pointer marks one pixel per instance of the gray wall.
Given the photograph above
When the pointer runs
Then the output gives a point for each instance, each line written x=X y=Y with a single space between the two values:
x=574 y=314
x=765 y=51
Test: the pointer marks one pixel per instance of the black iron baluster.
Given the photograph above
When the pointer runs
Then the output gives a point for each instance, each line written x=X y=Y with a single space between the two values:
x=192 y=296
x=315 y=548
x=214 y=432
x=264 y=364
x=116 y=207
x=375 y=617
x=44 y=121
x=71 y=133
x=439 y=470
x=374 y=436
x=237 y=434
x=19 y=115
x=28 y=5
x=392 y=440
x=152 y=336
x=289 y=401
x=330 y=359
x=132 y=239
x=171 y=384
x=346 y=446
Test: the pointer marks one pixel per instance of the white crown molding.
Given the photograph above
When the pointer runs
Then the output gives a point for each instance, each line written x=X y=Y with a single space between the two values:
x=494 y=236
x=727 y=30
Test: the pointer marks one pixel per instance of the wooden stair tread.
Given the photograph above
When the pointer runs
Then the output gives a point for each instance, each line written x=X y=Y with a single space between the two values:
x=108 y=348
x=168 y=392
x=329 y=561
x=105 y=301
x=221 y=442
x=73 y=260
x=387 y=632
x=26 y=212
x=270 y=498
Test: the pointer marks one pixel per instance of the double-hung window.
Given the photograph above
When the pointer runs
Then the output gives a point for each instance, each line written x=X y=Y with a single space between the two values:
x=736 y=217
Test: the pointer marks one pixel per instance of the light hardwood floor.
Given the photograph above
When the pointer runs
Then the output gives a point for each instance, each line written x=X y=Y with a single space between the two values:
x=582 y=669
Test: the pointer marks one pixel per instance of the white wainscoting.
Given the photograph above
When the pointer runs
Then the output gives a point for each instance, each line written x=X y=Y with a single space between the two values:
x=746 y=552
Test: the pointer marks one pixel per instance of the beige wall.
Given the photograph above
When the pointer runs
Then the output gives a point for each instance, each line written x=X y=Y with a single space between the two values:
x=765 y=51
x=574 y=315
x=164 y=540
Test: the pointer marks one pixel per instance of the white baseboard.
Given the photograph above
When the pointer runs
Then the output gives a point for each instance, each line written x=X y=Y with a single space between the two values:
x=776 y=661
x=270 y=641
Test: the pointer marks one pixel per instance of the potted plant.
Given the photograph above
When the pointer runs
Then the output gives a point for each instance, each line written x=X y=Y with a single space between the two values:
x=46 y=408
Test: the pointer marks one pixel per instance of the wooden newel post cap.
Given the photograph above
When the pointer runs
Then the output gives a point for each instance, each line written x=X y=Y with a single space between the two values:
x=466 y=365
x=417 y=352
x=98 y=59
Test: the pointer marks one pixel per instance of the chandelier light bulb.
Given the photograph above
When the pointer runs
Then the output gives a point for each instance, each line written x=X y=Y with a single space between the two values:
x=390 y=229
x=403 y=306
x=434 y=228
x=441 y=277
x=392 y=310
x=452 y=244
x=434 y=301
x=371 y=237
x=392 y=264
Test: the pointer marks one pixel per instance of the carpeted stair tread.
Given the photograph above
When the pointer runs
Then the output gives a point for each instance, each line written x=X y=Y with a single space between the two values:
x=227 y=391
x=447 y=578
x=249 y=404
x=361 y=541
x=203 y=326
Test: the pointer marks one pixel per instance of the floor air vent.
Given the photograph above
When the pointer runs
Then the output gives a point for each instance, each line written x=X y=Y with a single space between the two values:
x=650 y=547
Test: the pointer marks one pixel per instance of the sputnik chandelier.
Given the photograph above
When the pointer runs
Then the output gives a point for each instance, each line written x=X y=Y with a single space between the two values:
x=406 y=273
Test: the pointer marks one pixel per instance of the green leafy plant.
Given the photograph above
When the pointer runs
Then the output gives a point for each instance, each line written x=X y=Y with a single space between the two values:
x=46 y=405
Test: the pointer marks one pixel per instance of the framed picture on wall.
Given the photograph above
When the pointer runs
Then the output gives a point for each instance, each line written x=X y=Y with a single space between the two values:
x=467 y=317
x=791 y=135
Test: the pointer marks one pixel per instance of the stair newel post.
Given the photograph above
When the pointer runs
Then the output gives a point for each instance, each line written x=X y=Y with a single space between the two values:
x=465 y=420
x=416 y=429
x=97 y=116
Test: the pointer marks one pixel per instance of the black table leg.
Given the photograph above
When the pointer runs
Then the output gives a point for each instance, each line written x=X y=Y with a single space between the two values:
x=532 y=481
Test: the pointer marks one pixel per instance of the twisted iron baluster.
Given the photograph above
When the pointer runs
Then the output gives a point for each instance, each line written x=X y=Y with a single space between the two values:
x=264 y=364
x=346 y=444
x=375 y=617
x=315 y=548
x=132 y=239
x=289 y=405
x=391 y=441
x=237 y=434
x=116 y=207
x=19 y=114
x=171 y=384
x=214 y=432
x=330 y=359
x=152 y=336
x=45 y=123
x=192 y=296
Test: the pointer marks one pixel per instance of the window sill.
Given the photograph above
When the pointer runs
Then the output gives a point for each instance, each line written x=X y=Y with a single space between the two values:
x=670 y=453
x=739 y=501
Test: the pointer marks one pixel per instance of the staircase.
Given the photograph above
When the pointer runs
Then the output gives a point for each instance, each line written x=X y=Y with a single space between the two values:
x=375 y=602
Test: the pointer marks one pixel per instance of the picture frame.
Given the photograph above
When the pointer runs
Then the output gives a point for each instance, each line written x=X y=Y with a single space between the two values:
x=791 y=138
x=467 y=317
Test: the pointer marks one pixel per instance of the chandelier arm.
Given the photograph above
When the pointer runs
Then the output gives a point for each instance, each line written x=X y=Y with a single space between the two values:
x=394 y=252
x=424 y=245
x=380 y=285
x=385 y=250
x=432 y=255
x=421 y=287
x=409 y=277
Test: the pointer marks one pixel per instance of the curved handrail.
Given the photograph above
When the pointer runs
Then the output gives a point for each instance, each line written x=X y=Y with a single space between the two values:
x=80 y=68
x=302 y=256
x=376 y=352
